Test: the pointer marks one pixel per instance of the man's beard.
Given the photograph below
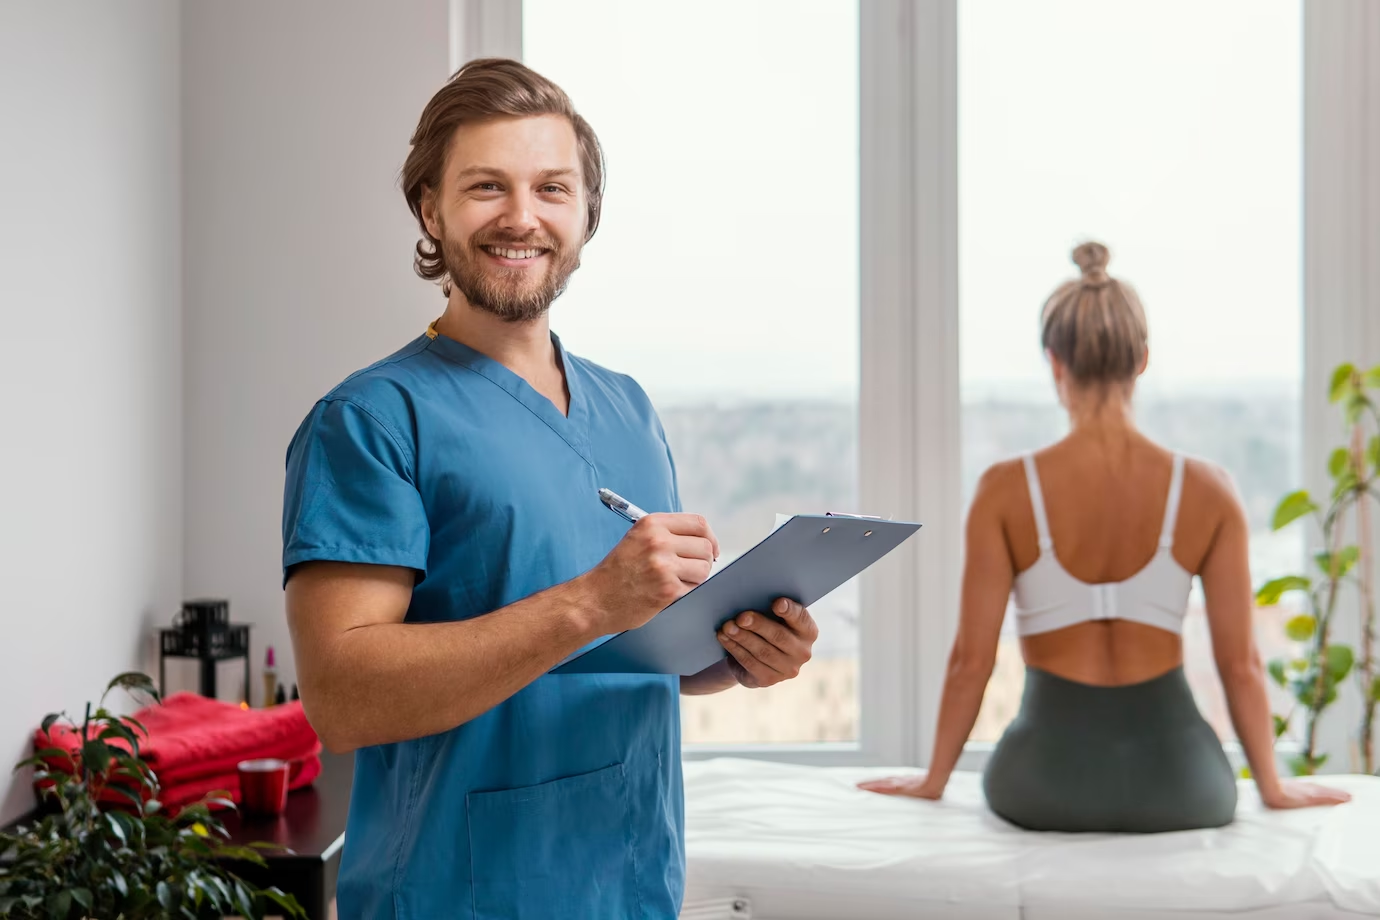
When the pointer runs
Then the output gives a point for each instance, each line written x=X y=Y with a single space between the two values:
x=508 y=293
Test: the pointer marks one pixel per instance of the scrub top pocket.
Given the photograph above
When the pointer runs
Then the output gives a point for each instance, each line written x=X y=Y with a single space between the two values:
x=562 y=850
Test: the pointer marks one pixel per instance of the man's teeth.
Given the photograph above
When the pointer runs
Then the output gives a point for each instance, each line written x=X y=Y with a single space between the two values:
x=515 y=253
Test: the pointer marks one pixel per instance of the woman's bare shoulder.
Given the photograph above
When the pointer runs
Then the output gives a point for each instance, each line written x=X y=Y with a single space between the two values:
x=1209 y=487
x=1002 y=482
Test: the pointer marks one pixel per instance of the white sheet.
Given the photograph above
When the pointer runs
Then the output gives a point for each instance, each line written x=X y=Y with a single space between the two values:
x=801 y=843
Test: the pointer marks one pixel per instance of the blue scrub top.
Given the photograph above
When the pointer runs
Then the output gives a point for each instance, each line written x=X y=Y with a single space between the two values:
x=565 y=801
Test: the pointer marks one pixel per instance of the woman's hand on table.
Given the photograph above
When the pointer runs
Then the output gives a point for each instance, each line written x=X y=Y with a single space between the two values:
x=1294 y=793
x=915 y=787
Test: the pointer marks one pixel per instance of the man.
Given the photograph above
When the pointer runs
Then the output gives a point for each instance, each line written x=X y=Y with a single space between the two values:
x=445 y=547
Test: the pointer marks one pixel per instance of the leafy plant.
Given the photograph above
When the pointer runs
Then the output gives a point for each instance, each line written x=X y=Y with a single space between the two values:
x=84 y=859
x=1313 y=679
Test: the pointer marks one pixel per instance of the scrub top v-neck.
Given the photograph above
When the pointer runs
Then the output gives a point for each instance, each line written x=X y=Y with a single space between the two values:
x=565 y=800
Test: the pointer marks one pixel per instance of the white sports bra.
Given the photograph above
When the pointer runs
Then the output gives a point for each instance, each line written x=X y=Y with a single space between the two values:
x=1049 y=598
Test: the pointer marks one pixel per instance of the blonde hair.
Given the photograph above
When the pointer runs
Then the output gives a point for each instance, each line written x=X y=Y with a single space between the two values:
x=1095 y=325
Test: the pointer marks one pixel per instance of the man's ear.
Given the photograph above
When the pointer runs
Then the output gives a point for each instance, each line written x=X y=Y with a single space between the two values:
x=429 y=219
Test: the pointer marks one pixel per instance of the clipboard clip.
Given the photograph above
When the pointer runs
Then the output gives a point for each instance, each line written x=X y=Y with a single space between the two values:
x=856 y=517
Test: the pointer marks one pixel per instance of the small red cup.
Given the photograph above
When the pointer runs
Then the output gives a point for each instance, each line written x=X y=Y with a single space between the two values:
x=263 y=786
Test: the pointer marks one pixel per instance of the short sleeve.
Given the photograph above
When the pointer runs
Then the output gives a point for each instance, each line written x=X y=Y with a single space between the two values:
x=350 y=493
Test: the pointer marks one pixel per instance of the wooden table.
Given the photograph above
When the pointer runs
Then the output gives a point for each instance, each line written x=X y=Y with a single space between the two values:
x=312 y=828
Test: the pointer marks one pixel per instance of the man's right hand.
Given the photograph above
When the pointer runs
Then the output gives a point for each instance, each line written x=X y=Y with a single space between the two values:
x=662 y=557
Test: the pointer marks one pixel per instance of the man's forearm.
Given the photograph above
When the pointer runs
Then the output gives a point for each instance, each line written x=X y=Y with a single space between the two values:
x=390 y=682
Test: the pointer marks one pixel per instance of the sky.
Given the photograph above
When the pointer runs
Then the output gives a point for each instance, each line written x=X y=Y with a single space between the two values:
x=726 y=263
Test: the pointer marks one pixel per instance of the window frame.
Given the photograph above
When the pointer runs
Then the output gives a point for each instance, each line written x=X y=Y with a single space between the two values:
x=909 y=399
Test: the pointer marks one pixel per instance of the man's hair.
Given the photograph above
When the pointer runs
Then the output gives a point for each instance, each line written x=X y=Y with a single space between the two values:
x=483 y=89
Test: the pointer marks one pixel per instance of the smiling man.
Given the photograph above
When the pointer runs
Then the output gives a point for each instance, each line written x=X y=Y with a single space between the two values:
x=444 y=547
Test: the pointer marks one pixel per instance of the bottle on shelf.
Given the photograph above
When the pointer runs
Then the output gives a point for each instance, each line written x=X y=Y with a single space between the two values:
x=270 y=679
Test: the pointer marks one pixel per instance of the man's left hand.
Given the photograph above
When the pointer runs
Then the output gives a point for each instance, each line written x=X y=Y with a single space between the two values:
x=762 y=651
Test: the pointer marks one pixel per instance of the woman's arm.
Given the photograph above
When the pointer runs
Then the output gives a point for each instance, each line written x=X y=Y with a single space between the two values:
x=987 y=577
x=1226 y=580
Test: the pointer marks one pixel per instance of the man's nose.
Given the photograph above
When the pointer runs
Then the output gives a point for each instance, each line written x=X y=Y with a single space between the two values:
x=518 y=214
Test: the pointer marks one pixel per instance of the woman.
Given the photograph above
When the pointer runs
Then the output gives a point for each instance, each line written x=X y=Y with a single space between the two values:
x=1099 y=536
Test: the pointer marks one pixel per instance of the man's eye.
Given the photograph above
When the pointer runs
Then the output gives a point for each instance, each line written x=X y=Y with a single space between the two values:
x=553 y=189
x=486 y=186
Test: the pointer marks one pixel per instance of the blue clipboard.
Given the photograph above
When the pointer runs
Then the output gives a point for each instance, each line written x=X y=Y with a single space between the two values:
x=803 y=559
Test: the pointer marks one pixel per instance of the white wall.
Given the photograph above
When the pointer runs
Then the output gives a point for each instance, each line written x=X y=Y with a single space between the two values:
x=298 y=251
x=90 y=353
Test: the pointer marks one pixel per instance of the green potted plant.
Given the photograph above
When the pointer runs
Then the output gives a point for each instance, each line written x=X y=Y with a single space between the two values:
x=1345 y=566
x=82 y=858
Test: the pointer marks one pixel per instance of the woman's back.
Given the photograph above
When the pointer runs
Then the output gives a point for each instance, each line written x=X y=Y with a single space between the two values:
x=1099 y=537
x=1105 y=498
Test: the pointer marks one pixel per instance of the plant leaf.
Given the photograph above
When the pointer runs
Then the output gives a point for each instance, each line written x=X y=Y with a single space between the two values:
x=1356 y=405
x=96 y=756
x=82 y=896
x=1276 y=669
x=1340 y=658
x=1292 y=507
x=1344 y=559
x=134 y=683
x=53 y=753
x=1372 y=377
x=1281 y=726
x=226 y=899
x=1301 y=627
x=1338 y=461
x=115 y=829
x=1347 y=482
x=1341 y=381
x=243 y=900
x=286 y=901
x=1270 y=592
x=117 y=879
x=1375 y=690
x=134 y=828
x=60 y=905
x=234 y=851
x=165 y=895
x=1244 y=773
x=49 y=719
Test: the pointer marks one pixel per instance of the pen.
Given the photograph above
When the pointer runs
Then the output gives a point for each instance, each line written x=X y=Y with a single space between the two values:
x=621 y=506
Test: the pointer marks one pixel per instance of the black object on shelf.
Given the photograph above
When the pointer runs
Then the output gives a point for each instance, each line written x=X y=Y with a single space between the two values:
x=202 y=630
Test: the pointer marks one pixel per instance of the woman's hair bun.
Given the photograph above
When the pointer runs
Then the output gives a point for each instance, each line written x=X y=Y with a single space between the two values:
x=1091 y=259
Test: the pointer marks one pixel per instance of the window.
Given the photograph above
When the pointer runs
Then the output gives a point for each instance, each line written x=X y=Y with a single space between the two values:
x=1170 y=131
x=728 y=250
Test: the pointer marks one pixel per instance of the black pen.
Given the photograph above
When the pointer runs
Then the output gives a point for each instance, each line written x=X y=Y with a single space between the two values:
x=621 y=506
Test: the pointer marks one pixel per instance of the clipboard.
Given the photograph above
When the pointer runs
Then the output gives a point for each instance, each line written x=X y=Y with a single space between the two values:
x=803 y=559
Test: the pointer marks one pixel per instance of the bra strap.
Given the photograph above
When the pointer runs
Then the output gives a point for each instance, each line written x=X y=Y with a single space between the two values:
x=1037 y=503
x=1171 y=507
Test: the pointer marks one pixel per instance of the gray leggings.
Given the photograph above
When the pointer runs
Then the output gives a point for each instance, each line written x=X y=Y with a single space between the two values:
x=1137 y=758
